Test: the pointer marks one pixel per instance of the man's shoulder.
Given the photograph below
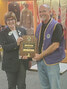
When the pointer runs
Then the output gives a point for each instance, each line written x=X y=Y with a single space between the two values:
x=39 y=25
x=59 y=25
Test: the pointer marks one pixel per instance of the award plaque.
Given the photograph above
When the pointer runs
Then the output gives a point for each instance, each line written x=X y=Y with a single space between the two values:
x=28 y=46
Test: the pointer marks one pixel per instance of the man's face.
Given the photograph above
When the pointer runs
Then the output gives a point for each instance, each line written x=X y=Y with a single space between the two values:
x=44 y=13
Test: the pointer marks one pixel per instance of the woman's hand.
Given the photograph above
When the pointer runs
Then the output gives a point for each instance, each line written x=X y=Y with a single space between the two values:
x=25 y=57
x=19 y=40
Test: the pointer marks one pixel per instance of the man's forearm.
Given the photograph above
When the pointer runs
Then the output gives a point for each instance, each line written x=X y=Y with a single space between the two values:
x=50 y=49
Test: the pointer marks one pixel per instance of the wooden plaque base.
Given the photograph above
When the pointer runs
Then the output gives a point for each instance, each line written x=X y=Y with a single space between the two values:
x=28 y=46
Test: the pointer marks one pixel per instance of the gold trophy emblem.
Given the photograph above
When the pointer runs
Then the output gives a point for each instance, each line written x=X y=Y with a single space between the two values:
x=28 y=55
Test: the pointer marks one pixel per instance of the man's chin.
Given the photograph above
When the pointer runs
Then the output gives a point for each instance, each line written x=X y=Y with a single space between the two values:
x=43 y=20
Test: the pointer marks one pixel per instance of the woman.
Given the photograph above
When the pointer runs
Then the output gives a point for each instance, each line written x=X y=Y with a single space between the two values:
x=12 y=63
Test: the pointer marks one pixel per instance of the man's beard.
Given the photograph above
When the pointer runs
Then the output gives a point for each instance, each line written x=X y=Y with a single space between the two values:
x=43 y=19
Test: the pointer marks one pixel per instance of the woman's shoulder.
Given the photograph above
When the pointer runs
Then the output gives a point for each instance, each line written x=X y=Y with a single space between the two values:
x=21 y=29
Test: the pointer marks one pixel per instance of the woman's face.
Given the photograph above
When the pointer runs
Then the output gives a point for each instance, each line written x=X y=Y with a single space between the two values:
x=11 y=22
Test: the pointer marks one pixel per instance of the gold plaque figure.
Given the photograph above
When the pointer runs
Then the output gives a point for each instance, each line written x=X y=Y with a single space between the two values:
x=28 y=46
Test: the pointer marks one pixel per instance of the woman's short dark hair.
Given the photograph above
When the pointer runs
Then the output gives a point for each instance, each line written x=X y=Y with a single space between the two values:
x=9 y=15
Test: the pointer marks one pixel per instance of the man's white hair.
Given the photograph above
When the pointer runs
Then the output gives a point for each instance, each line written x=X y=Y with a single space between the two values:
x=46 y=6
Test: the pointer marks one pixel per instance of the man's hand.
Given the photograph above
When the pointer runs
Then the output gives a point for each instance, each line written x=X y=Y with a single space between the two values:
x=37 y=57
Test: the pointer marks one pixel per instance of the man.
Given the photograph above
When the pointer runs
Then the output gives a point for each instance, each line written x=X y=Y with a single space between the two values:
x=51 y=49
